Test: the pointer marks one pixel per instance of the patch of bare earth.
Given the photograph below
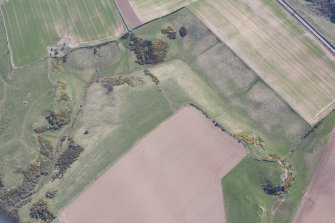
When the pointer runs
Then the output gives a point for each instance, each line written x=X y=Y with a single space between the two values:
x=318 y=203
x=173 y=175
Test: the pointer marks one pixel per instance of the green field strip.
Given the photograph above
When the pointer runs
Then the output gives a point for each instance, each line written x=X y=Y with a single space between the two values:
x=15 y=34
x=81 y=32
x=114 y=10
x=13 y=43
x=34 y=29
x=88 y=20
x=44 y=20
x=98 y=18
x=67 y=17
x=81 y=20
x=105 y=20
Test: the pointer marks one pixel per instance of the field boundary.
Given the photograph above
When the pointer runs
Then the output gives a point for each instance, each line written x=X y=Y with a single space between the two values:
x=118 y=10
x=309 y=27
x=323 y=164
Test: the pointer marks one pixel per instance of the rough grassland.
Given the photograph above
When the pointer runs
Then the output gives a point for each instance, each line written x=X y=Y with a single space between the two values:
x=278 y=49
x=172 y=175
x=127 y=111
x=35 y=24
x=18 y=145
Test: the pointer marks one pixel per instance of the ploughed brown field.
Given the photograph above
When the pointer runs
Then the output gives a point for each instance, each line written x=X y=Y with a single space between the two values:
x=318 y=204
x=128 y=13
x=172 y=175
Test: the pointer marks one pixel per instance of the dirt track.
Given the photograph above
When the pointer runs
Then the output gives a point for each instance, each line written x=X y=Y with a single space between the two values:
x=318 y=203
x=172 y=175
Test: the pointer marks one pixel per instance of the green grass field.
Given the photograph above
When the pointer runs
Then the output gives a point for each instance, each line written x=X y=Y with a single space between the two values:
x=245 y=201
x=34 y=25
x=5 y=66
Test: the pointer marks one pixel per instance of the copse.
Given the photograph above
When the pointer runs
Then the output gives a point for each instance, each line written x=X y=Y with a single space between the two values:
x=40 y=211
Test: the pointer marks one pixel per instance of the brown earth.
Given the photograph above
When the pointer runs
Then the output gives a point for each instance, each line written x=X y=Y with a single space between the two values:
x=172 y=175
x=128 y=13
x=318 y=203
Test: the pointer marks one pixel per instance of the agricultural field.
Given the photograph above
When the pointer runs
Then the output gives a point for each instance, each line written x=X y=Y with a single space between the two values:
x=5 y=66
x=66 y=121
x=33 y=26
x=183 y=159
x=128 y=13
x=148 y=10
x=305 y=158
x=278 y=49
x=318 y=14
x=317 y=202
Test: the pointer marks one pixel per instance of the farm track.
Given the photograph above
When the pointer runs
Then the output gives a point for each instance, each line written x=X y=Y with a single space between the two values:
x=296 y=15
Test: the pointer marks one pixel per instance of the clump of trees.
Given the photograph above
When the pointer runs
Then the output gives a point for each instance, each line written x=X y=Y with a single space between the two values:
x=324 y=8
x=169 y=32
x=11 y=200
x=50 y=194
x=153 y=77
x=70 y=153
x=271 y=189
x=182 y=31
x=40 y=211
x=1 y=183
x=56 y=120
x=61 y=93
x=110 y=82
x=147 y=51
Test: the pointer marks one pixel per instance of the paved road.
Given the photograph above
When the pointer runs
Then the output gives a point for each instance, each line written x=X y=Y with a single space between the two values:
x=323 y=40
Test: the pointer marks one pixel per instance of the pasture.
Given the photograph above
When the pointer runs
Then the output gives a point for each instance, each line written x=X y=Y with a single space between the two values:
x=34 y=25
x=172 y=175
x=18 y=145
x=278 y=49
